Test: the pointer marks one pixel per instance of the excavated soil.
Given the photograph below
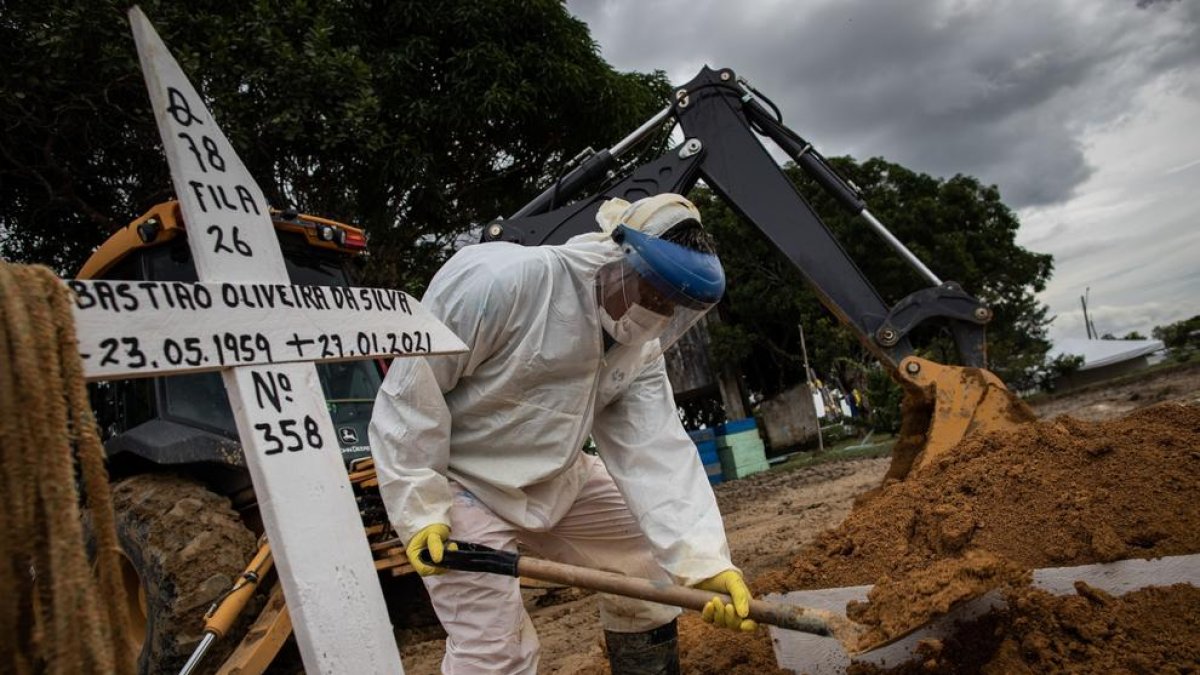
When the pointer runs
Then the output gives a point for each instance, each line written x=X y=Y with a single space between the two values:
x=1052 y=493
x=1057 y=492
x=1152 y=630
x=897 y=604
x=1048 y=494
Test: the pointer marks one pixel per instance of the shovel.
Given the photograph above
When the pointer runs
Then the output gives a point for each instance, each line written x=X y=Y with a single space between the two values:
x=478 y=558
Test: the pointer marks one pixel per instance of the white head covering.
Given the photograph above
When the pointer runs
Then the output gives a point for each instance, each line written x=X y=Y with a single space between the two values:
x=652 y=215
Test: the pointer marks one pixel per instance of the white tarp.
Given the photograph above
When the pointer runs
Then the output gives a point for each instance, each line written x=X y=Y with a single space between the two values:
x=1100 y=353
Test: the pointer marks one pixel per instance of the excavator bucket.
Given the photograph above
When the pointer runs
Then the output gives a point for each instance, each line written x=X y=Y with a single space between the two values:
x=943 y=405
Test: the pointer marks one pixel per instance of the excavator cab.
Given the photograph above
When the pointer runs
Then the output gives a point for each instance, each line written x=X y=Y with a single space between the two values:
x=185 y=420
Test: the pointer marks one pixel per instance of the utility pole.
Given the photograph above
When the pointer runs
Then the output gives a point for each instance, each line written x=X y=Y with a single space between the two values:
x=1087 y=322
x=811 y=390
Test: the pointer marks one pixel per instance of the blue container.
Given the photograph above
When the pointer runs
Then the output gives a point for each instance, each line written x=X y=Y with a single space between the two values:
x=714 y=471
x=706 y=445
x=714 y=474
x=736 y=426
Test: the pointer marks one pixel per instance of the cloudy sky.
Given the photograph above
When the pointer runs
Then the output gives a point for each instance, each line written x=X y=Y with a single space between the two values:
x=1085 y=113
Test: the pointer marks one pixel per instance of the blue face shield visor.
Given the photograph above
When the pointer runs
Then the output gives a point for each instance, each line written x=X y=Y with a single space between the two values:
x=655 y=290
x=681 y=275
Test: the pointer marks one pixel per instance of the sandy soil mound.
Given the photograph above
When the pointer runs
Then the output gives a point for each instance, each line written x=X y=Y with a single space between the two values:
x=1052 y=493
x=898 y=605
x=1153 y=630
x=1058 y=492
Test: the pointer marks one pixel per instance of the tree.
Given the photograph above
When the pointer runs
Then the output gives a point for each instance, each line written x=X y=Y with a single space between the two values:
x=1180 y=333
x=959 y=227
x=1182 y=338
x=414 y=120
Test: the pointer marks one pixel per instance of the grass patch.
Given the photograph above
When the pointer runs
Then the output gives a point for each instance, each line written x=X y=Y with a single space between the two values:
x=851 y=448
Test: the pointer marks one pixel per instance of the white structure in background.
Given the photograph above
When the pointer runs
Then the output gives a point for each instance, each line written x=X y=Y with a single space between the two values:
x=1103 y=359
x=818 y=403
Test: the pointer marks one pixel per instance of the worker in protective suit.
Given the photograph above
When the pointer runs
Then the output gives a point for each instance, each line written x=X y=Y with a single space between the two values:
x=565 y=342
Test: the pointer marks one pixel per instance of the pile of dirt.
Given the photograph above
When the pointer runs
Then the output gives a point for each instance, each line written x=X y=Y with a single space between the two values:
x=1047 y=494
x=896 y=605
x=1152 y=630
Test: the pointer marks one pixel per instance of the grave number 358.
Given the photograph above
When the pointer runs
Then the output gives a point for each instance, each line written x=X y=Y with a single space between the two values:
x=290 y=435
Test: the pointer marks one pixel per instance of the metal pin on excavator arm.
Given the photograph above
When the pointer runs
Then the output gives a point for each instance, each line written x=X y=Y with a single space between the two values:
x=720 y=115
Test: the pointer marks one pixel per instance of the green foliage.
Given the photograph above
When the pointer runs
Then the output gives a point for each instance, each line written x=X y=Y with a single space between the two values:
x=1180 y=333
x=1133 y=335
x=414 y=120
x=1060 y=366
x=703 y=412
x=884 y=396
x=959 y=227
x=1182 y=338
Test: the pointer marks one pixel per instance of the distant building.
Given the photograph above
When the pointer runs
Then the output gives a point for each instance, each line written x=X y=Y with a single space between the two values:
x=1103 y=359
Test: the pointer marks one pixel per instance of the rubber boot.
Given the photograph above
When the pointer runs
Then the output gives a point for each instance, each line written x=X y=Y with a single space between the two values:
x=652 y=652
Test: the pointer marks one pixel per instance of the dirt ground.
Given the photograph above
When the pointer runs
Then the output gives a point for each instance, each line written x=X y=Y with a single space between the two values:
x=814 y=499
x=1106 y=402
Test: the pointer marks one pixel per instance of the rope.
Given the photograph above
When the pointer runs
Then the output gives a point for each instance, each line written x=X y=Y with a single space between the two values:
x=63 y=618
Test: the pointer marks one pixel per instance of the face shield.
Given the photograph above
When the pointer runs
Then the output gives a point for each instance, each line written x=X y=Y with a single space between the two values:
x=656 y=290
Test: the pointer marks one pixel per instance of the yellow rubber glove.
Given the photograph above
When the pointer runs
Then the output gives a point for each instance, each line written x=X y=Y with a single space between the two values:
x=718 y=613
x=432 y=537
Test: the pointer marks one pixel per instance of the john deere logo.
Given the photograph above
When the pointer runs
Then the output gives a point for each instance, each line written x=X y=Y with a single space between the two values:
x=348 y=435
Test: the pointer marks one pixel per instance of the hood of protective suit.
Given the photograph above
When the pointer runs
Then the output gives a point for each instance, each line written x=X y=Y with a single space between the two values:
x=652 y=215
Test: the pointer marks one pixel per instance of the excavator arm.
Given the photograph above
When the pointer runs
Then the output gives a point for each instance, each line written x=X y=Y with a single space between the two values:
x=720 y=116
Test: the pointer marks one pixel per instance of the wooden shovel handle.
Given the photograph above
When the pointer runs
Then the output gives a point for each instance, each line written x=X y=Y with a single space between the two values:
x=785 y=616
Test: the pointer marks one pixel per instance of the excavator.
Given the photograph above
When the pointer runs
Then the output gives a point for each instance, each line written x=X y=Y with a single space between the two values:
x=720 y=115
x=173 y=436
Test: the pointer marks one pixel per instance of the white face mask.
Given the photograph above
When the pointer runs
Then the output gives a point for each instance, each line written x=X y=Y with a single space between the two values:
x=636 y=326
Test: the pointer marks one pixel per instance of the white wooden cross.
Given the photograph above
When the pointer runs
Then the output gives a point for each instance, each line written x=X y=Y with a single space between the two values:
x=246 y=320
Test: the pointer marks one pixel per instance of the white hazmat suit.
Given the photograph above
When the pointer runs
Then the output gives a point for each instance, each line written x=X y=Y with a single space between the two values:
x=503 y=426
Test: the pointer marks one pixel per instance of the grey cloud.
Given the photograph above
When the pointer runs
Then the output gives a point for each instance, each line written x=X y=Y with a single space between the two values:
x=1045 y=237
x=1024 y=94
x=1118 y=320
x=999 y=90
x=1135 y=286
x=1086 y=248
